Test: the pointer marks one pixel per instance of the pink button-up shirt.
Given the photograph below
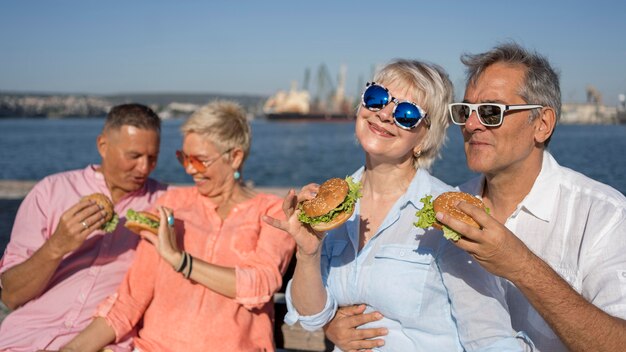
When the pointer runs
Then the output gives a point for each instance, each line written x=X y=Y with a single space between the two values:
x=85 y=277
x=182 y=315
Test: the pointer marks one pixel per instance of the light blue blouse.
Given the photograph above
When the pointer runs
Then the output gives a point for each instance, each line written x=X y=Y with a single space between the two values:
x=431 y=293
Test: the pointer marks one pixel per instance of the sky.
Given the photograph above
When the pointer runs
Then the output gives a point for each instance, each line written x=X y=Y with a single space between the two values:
x=260 y=47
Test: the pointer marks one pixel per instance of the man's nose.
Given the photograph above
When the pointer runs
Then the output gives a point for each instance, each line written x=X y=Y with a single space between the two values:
x=143 y=165
x=473 y=122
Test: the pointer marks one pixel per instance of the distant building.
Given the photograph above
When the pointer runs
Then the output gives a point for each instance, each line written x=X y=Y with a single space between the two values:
x=588 y=113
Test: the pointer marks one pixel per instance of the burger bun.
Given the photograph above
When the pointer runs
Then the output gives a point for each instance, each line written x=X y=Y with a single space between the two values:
x=137 y=227
x=334 y=223
x=329 y=195
x=105 y=204
x=445 y=204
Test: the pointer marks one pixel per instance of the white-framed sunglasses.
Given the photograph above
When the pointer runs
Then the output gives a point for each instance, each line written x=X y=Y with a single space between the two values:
x=489 y=114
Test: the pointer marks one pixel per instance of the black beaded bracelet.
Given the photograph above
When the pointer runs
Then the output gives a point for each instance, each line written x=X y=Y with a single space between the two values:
x=189 y=266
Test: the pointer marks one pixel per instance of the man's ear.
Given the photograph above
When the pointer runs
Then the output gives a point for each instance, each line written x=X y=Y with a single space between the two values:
x=101 y=143
x=544 y=124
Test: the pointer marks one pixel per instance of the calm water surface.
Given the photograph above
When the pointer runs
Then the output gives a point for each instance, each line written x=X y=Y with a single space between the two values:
x=282 y=154
x=285 y=154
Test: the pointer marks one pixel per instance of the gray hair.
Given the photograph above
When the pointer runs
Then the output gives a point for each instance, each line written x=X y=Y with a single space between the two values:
x=133 y=114
x=433 y=91
x=223 y=123
x=541 y=83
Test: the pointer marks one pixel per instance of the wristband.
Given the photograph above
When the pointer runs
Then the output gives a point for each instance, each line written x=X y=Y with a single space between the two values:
x=189 y=266
x=183 y=262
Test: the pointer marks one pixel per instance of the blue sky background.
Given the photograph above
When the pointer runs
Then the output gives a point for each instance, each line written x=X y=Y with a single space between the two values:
x=259 y=47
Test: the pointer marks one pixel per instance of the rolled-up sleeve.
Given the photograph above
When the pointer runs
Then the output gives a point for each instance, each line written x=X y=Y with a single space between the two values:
x=123 y=310
x=259 y=275
x=310 y=322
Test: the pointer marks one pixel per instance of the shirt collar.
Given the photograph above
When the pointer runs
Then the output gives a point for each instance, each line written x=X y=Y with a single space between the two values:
x=540 y=200
x=420 y=185
x=98 y=177
x=91 y=171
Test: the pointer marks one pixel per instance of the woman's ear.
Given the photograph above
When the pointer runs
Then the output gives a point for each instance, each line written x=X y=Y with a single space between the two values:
x=544 y=124
x=236 y=158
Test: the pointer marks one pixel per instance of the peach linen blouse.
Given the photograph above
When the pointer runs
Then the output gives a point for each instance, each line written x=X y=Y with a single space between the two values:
x=182 y=315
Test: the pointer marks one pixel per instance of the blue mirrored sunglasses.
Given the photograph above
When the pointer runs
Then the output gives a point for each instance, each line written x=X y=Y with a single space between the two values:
x=406 y=114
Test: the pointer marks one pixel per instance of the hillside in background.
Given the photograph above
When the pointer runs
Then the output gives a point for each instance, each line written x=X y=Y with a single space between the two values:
x=13 y=104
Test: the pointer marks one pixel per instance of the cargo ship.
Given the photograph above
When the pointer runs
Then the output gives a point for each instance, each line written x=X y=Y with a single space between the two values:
x=330 y=103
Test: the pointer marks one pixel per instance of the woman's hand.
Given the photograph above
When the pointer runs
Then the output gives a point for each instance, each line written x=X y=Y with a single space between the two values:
x=165 y=243
x=307 y=239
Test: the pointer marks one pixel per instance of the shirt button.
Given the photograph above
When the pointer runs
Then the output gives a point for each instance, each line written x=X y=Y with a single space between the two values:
x=68 y=324
x=402 y=253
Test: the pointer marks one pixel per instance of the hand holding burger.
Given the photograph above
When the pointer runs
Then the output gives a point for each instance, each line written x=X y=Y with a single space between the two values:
x=138 y=221
x=335 y=203
x=111 y=219
x=445 y=203
x=332 y=206
x=160 y=233
x=91 y=213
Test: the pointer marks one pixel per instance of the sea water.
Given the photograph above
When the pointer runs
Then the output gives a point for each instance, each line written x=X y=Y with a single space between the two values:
x=283 y=154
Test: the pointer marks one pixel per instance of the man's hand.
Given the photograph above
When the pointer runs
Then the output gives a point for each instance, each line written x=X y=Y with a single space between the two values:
x=343 y=332
x=496 y=248
x=75 y=225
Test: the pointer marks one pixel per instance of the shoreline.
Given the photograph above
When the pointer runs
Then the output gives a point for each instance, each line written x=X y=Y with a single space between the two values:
x=17 y=189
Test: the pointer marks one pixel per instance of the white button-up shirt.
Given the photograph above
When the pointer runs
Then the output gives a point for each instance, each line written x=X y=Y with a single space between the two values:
x=578 y=227
x=432 y=295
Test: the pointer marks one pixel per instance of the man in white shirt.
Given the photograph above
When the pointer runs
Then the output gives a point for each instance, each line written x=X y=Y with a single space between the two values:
x=557 y=237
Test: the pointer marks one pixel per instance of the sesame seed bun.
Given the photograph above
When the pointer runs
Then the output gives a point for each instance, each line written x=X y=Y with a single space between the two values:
x=445 y=204
x=330 y=194
x=104 y=202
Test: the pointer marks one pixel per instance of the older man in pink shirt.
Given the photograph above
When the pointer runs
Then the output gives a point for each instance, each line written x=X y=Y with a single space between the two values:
x=59 y=265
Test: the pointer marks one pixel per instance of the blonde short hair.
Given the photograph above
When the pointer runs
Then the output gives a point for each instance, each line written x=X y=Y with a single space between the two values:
x=433 y=91
x=223 y=123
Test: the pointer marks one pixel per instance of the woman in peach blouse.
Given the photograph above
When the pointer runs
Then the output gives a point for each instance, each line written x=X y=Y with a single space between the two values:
x=206 y=282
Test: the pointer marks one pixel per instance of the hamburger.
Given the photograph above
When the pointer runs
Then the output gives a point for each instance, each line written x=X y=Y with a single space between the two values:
x=111 y=219
x=445 y=203
x=332 y=206
x=136 y=221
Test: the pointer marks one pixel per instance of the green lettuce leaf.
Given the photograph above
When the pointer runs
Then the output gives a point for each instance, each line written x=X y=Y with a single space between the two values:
x=450 y=234
x=136 y=217
x=111 y=224
x=426 y=218
x=354 y=193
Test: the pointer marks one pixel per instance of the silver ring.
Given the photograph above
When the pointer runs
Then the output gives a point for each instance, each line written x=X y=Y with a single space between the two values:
x=85 y=225
x=170 y=220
